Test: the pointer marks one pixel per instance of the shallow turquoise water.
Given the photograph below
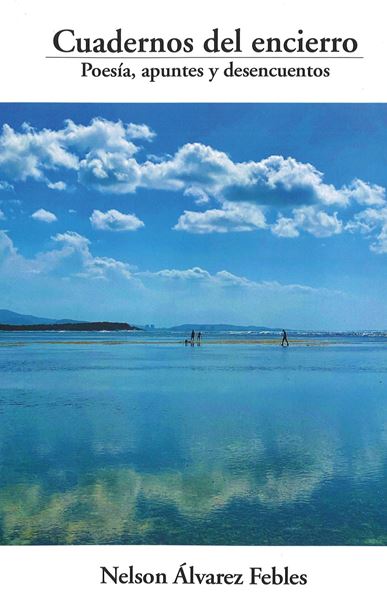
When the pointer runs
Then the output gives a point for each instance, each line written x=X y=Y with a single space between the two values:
x=218 y=444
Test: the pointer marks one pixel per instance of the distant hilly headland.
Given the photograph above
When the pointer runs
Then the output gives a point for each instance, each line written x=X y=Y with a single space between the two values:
x=9 y=317
x=12 y=321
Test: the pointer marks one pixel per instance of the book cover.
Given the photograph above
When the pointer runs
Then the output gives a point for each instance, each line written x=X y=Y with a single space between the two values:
x=193 y=328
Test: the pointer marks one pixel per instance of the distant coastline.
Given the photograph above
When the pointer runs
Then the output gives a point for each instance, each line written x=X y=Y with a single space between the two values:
x=89 y=326
x=13 y=321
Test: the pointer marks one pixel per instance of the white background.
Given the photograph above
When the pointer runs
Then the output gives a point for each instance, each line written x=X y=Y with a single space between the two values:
x=74 y=572
x=26 y=31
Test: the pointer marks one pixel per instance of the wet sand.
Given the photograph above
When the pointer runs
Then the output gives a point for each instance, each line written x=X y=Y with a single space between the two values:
x=267 y=342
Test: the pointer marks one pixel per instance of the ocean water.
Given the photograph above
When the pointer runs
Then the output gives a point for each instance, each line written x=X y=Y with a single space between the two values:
x=151 y=442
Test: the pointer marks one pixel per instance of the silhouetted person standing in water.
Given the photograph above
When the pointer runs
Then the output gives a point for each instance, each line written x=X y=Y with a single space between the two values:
x=199 y=338
x=284 y=338
x=192 y=337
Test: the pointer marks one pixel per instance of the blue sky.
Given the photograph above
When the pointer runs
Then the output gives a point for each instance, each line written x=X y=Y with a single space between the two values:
x=267 y=214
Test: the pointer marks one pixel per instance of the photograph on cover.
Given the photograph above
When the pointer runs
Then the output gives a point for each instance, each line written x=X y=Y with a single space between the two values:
x=193 y=324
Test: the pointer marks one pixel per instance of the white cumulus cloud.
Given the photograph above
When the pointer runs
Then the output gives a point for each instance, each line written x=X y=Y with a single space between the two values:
x=102 y=155
x=114 y=220
x=5 y=186
x=44 y=215
x=285 y=227
x=278 y=193
x=37 y=154
x=366 y=193
x=233 y=216
x=316 y=222
x=372 y=223
x=95 y=267
x=223 y=279
x=58 y=185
